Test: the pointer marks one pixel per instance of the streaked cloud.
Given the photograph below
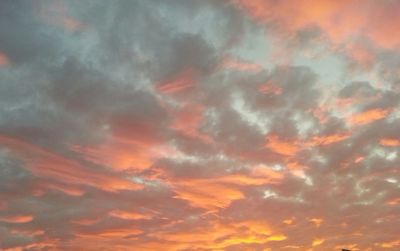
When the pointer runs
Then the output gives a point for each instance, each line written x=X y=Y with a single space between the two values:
x=199 y=125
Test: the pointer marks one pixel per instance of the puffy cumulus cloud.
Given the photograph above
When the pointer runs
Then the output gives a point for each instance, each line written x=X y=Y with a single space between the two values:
x=199 y=125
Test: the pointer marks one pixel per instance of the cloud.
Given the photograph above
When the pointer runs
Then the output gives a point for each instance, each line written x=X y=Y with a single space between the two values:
x=330 y=16
x=284 y=148
x=17 y=219
x=4 y=61
x=199 y=125
x=368 y=116
x=45 y=163
x=389 y=142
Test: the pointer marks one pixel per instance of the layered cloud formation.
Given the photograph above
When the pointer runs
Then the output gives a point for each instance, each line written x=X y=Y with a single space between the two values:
x=199 y=125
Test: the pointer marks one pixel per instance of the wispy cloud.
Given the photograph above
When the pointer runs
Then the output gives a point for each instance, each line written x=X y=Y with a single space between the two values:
x=199 y=125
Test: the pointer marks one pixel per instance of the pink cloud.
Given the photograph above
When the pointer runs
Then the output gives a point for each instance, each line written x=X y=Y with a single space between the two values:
x=17 y=218
x=240 y=65
x=48 y=164
x=178 y=83
x=4 y=60
x=340 y=20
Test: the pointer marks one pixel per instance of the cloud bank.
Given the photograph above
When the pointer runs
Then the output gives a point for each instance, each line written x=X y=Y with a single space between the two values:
x=199 y=125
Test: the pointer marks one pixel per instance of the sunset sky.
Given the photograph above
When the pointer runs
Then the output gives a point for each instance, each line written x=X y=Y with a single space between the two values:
x=199 y=125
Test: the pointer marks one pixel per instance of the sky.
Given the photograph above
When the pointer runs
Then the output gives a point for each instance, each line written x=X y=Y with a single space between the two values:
x=195 y=125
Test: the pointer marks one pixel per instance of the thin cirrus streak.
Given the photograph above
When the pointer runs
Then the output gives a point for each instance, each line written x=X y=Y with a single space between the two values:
x=240 y=65
x=128 y=215
x=328 y=139
x=199 y=125
x=17 y=219
x=179 y=83
x=269 y=88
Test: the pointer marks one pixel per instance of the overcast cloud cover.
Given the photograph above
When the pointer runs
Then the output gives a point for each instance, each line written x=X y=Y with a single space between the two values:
x=199 y=125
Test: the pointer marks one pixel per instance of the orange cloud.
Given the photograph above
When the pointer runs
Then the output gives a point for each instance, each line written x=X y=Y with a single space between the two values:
x=328 y=139
x=278 y=237
x=70 y=189
x=200 y=194
x=188 y=120
x=217 y=193
x=297 y=167
x=219 y=236
x=110 y=233
x=317 y=242
x=17 y=219
x=294 y=17
x=389 y=142
x=261 y=171
x=199 y=237
x=4 y=60
x=344 y=104
x=39 y=245
x=317 y=221
x=289 y=221
x=389 y=244
x=250 y=232
x=255 y=227
x=282 y=147
x=263 y=178
x=86 y=222
x=207 y=194
x=128 y=215
x=117 y=155
x=130 y=146
x=48 y=164
x=394 y=202
x=368 y=116
x=359 y=159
